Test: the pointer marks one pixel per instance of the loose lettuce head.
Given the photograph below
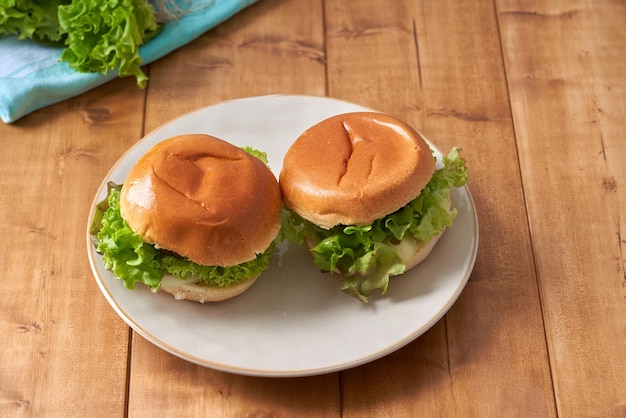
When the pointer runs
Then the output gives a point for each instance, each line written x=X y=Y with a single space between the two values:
x=36 y=19
x=103 y=35
x=365 y=256
x=98 y=35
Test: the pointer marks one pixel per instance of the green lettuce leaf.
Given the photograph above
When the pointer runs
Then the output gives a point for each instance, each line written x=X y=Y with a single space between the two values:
x=31 y=19
x=97 y=35
x=365 y=256
x=261 y=155
x=103 y=35
x=134 y=261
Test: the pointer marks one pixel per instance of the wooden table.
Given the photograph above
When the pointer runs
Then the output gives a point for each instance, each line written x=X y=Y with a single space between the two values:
x=535 y=94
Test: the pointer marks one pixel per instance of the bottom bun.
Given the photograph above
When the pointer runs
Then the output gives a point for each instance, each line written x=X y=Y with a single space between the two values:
x=189 y=289
x=414 y=252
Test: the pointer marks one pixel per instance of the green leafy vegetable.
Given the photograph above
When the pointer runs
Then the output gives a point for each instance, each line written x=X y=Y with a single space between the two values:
x=100 y=35
x=256 y=153
x=366 y=256
x=134 y=261
x=35 y=20
x=103 y=35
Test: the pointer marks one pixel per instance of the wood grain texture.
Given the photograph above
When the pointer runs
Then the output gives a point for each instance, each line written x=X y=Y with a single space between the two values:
x=273 y=47
x=54 y=321
x=174 y=387
x=453 y=89
x=566 y=77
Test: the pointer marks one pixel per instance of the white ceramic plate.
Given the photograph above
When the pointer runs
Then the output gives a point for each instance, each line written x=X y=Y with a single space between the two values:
x=294 y=321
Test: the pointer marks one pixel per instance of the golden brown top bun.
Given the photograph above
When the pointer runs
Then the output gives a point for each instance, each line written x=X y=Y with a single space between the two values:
x=354 y=168
x=202 y=198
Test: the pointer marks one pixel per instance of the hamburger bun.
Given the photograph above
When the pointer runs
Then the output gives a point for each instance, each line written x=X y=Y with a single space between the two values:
x=206 y=200
x=354 y=168
x=351 y=170
x=194 y=291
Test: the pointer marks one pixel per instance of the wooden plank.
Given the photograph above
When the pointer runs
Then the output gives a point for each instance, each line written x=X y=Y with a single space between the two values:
x=263 y=50
x=54 y=321
x=491 y=343
x=568 y=95
x=164 y=380
x=266 y=49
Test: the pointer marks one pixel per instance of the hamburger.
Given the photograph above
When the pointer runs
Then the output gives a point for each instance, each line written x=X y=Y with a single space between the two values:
x=363 y=191
x=196 y=217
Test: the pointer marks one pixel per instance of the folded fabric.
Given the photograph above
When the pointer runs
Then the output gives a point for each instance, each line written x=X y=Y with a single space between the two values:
x=32 y=75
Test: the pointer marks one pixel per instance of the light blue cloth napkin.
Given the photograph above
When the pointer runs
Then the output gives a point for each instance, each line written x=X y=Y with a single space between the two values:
x=32 y=77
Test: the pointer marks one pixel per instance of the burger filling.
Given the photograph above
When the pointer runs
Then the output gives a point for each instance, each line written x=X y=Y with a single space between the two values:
x=134 y=261
x=367 y=256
